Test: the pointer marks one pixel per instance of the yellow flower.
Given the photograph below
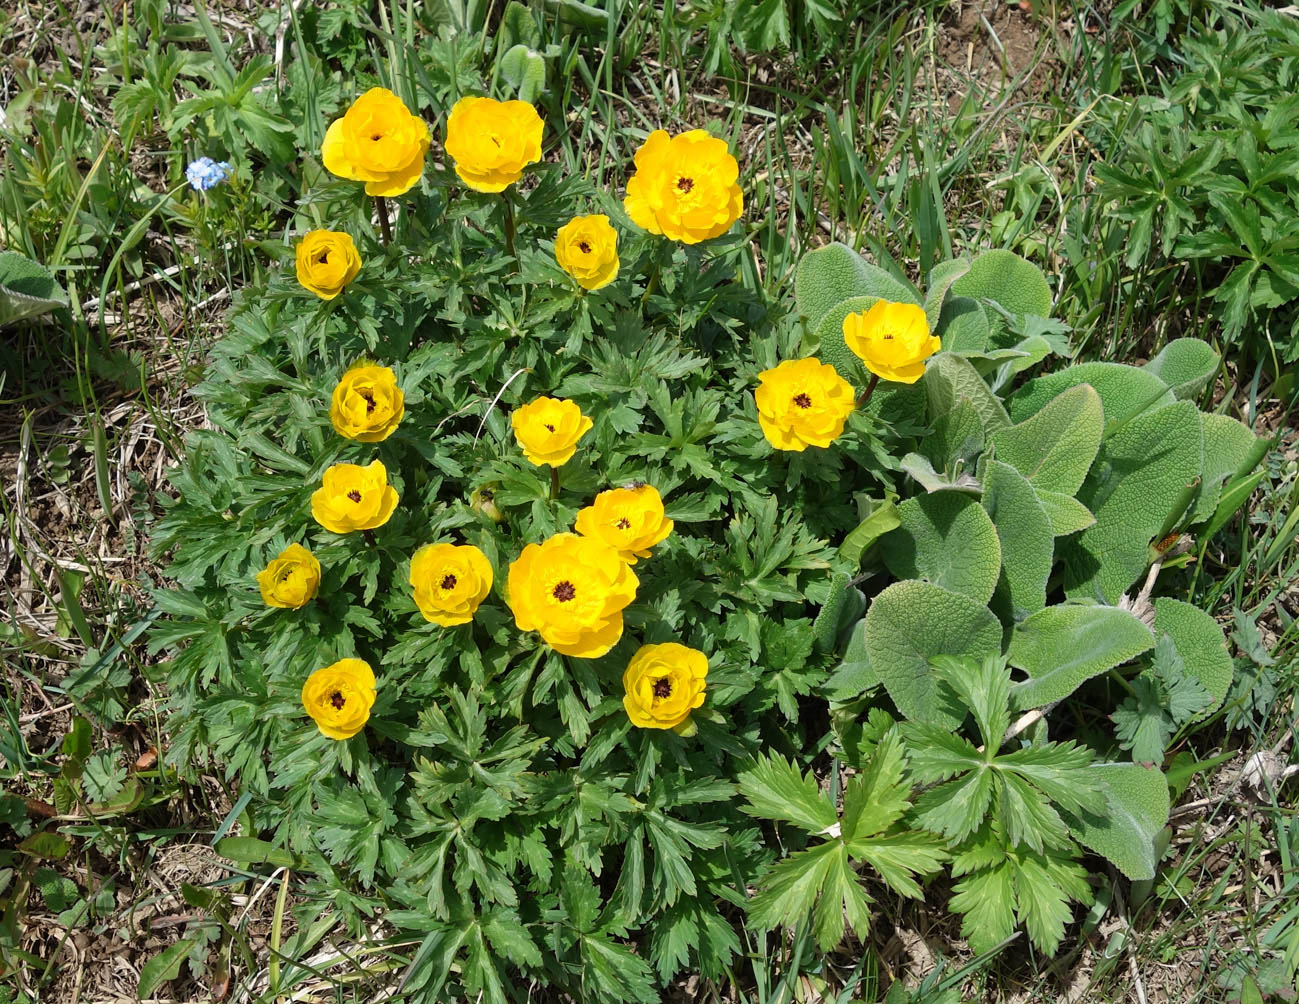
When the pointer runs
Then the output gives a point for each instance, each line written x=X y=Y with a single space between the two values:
x=367 y=404
x=339 y=697
x=450 y=581
x=572 y=590
x=802 y=403
x=327 y=261
x=892 y=339
x=586 y=247
x=377 y=141
x=291 y=579
x=492 y=141
x=664 y=683
x=630 y=520
x=684 y=187
x=352 y=497
x=548 y=430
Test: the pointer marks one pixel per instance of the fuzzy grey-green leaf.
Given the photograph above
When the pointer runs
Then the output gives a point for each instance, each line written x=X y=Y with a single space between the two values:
x=1186 y=365
x=948 y=539
x=910 y=623
x=1014 y=283
x=829 y=275
x=1200 y=642
x=1125 y=391
x=1054 y=448
x=1027 y=542
x=1062 y=647
x=1139 y=478
x=1136 y=810
x=949 y=378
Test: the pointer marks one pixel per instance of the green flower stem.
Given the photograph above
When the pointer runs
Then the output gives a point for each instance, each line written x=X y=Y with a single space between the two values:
x=509 y=227
x=554 y=483
x=650 y=286
x=870 y=389
x=385 y=226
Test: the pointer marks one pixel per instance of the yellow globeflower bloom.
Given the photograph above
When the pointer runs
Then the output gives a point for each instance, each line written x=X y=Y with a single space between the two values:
x=367 y=404
x=586 y=247
x=664 y=683
x=450 y=581
x=892 y=340
x=802 y=403
x=327 y=260
x=291 y=580
x=572 y=590
x=339 y=697
x=352 y=497
x=377 y=141
x=548 y=430
x=492 y=141
x=630 y=520
x=685 y=187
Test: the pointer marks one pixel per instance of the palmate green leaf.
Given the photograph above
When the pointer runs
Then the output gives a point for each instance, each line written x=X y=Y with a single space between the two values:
x=1060 y=770
x=1141 y=722
x=791 y=887
x=956 y=809
x=877 y=797
x=1028 y=819
x=935 y=753
x=1004 y=885
x=900 y=856
x=776 y=790
x=984 y=686
x=986 y=901
x=1044 y=886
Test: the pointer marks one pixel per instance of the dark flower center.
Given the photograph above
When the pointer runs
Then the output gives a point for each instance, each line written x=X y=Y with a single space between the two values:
x=663 y=687
x=337 y=700
x=449 y=582
x=376 y=137
x=564 y=591
x=685 y=184
x=354 y=495
x=584 y=247
x=323 y=259
x=487 y=495
x=803 y=401
x=369 y=402
x=623 y=524
x=550 y=427
x=888 y=336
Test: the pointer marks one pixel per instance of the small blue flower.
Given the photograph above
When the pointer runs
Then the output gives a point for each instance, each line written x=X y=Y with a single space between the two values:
x=206 y=173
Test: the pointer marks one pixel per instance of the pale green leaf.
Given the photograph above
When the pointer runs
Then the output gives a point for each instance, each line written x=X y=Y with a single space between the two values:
x=1061 y=647
x=1136 y=809
x=945 y=538
x=1186 y=365
x=910 y=623
x=1054 y=448
x=1027 y=542
x=1066 y=513
x=1135 y=487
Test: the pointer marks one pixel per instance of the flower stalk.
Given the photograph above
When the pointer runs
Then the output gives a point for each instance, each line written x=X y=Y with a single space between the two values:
x=385 y=225
x=870 y=389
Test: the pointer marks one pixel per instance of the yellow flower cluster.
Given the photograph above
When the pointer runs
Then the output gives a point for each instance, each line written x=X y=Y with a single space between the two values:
x=805 y=402
x=684 y=187
x=571 y=589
